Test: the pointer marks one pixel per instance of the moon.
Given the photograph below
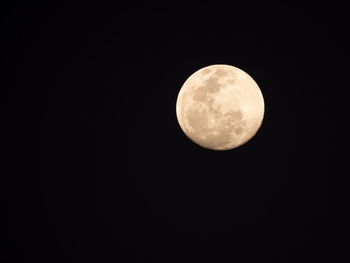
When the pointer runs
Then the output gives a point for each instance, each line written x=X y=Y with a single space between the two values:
x=220 y=107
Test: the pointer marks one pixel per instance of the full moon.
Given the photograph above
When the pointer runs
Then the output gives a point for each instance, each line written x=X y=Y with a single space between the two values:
x=220 y=107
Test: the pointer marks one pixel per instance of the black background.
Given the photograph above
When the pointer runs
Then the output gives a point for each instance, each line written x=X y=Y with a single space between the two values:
x=97 y=168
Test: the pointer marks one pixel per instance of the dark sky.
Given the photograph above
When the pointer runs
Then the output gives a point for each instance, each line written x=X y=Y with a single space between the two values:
x=97 y=168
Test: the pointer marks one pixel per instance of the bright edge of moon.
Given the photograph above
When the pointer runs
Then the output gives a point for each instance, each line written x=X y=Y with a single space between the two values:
x=220 y=107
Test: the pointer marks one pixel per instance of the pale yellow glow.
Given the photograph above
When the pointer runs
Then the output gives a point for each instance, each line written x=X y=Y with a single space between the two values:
x=220 y=107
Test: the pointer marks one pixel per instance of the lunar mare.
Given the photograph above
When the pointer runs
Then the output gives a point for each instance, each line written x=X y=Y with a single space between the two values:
x=220 y=107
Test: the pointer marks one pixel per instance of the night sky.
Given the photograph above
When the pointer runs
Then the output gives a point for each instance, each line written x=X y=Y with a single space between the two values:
x=97 y=169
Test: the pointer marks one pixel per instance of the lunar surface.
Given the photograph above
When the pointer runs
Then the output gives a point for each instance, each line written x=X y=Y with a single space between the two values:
x=220 y=107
